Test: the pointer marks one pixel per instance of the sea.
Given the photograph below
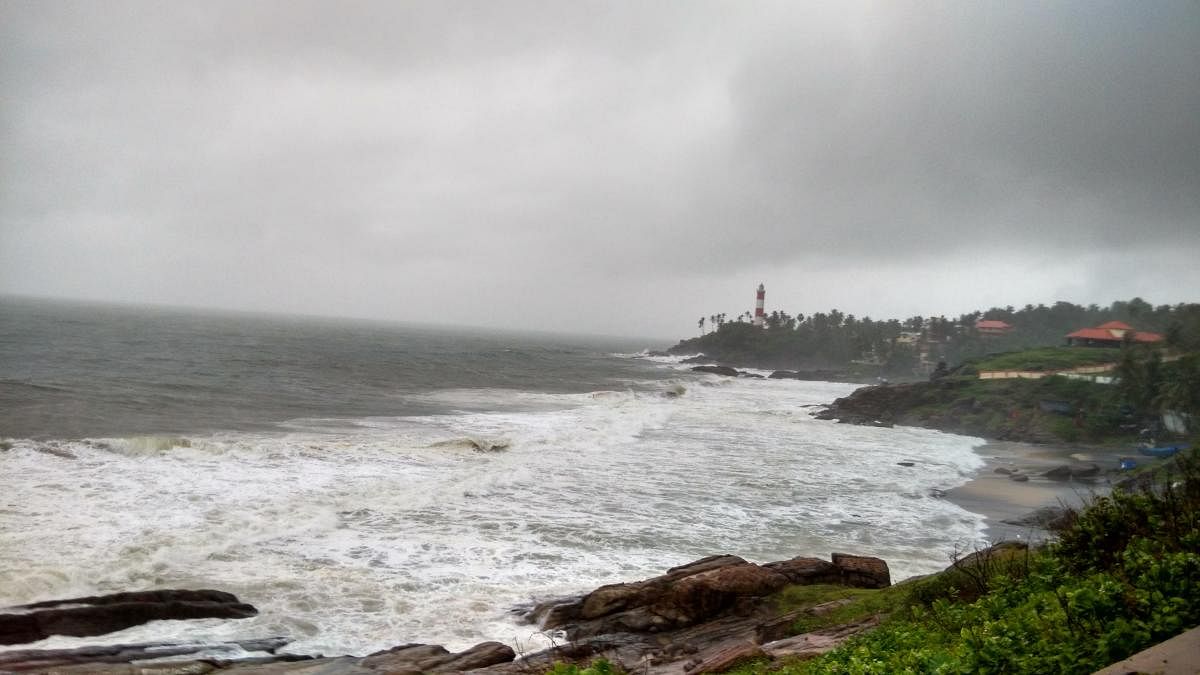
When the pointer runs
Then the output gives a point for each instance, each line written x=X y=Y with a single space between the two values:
x=367 y=484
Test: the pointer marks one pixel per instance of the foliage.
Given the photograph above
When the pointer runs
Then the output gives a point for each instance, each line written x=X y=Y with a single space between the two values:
x=1125 y=575
x=835 y=339
x=597 y=667
x=1048 y=358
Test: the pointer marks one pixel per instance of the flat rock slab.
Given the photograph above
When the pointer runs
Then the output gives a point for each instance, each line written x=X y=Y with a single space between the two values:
x=97 y=615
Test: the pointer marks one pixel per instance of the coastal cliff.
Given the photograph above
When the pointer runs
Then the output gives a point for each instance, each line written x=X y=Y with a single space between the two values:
x=1044 y=411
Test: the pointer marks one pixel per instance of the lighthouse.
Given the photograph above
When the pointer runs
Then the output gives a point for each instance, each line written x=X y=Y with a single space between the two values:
x=759 y=316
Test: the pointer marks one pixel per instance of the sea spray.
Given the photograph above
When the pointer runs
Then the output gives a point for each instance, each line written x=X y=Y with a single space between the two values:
x=389 y=530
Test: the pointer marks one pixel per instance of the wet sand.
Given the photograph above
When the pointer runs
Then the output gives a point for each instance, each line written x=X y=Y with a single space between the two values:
x=996 y=496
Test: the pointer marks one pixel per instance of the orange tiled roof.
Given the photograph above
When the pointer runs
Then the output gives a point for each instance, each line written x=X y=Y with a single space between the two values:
x=1114 y=333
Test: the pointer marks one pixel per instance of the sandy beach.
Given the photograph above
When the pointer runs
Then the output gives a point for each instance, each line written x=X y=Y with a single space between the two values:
x=994 y=494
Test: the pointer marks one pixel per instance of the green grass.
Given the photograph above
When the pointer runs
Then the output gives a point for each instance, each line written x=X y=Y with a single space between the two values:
x=1048 y=358
x=865 y=603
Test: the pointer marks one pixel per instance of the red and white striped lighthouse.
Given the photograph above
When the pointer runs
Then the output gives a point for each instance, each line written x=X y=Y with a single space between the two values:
x=759 y=316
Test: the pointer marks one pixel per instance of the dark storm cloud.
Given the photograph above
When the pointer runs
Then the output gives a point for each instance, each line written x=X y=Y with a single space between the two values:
x=496 y=162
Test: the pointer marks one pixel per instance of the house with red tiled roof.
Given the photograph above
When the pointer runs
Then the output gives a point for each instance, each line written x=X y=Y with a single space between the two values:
x=1110 y=334
x=992 y=328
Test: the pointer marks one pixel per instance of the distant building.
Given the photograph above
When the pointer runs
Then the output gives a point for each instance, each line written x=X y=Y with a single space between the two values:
x=1110 y=334
x=992 y=328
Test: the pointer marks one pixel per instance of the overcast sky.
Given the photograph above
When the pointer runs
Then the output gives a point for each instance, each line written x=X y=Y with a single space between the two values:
x=615 y=167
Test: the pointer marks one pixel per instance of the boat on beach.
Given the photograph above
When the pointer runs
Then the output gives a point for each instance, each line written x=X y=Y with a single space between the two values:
x=1163 y=451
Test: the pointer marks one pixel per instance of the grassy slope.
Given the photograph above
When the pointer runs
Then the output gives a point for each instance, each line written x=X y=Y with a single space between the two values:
x=1124 y=576
x=1048 y=358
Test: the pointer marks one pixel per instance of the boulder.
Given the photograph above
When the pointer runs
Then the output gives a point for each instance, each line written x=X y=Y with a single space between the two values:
x=1046 y=517
x=97 y=615
x=862 y=571
x=716 y=370
x=1019 y=477
x=702 y=596
x=421 y=658
x=615 y=598
x=1061 y=472
x=91 y=656
x=1085 y=471
x=807 y=571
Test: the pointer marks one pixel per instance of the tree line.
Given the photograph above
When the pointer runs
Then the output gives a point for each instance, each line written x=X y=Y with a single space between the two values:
x=835 y=339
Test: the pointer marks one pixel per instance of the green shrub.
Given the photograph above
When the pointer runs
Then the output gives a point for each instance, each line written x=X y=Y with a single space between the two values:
x=1124 y=576
x=597 y=667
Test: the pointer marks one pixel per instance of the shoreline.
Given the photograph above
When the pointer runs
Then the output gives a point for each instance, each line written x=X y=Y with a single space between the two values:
x=1003 y=502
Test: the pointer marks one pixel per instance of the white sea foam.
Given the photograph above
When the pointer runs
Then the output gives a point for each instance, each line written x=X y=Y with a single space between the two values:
x=356 y=535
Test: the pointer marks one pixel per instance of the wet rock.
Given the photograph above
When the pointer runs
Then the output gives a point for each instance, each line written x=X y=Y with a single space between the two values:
x=809 y=645
x=1003 y=470
x=702 y=596
x=807 y=571
x=1062 y=472
x=716 y=370
x=421 y=658
x=1046 y=517
x=97 y=615
x=863 y=571
x=906 y=463
x=39 y=659
x=1085 y=471
x=727 y=658
x=1019 y=477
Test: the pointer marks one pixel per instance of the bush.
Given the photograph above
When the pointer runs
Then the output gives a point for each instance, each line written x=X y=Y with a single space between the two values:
x=1124 y=576
x=598 y=667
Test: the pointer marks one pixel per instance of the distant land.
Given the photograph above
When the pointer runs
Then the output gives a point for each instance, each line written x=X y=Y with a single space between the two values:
x=862 y=348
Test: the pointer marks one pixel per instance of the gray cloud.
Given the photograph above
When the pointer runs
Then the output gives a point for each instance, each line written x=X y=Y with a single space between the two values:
x=611 y=167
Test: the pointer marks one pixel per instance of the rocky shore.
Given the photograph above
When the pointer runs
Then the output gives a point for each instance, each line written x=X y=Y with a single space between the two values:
x=700 y=617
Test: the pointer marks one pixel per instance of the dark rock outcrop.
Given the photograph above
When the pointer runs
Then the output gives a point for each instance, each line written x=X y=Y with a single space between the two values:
x=862 y=571
x=949 y=404
x=707 y=615
x=98 y=615
x=716 y=370
x=39 y=659
x=696 y=593
x=419 y=658
x=1062 y=472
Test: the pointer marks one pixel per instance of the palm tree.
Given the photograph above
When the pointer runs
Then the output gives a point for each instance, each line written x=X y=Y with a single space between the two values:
x=700 y=324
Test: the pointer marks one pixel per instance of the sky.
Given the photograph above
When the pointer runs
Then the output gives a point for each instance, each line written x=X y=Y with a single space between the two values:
x=600 y=167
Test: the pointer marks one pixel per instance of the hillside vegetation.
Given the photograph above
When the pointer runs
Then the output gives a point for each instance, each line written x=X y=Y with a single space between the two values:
x=1051 y=409
x=1122 y=576
x=906 y=347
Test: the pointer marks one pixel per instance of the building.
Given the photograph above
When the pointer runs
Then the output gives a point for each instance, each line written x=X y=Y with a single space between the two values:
x=992 y=328
x=759 y=300
x=1111 y=334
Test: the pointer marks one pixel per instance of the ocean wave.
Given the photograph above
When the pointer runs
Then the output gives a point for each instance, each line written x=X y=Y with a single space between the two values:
x=352 y=535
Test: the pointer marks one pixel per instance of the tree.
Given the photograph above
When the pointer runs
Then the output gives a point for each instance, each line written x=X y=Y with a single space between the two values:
x=701 y=325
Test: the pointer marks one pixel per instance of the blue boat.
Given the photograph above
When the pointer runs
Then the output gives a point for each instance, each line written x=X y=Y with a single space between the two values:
x=1163 y=451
